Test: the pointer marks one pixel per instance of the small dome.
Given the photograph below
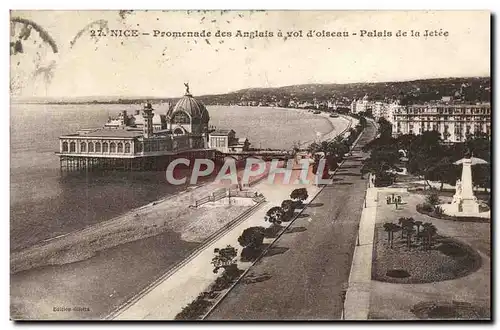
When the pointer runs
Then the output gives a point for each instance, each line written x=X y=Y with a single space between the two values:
x=196 y=109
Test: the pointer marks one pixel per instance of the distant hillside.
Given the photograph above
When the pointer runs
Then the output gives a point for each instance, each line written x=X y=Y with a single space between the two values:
x=474 y=89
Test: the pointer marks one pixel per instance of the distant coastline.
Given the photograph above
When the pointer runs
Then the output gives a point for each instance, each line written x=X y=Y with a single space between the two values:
x=416 y=89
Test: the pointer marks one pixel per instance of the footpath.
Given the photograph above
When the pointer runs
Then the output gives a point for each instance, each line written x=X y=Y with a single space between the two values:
x=357 y=299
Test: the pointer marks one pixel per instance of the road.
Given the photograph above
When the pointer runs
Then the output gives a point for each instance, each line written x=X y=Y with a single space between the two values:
x=302 y=276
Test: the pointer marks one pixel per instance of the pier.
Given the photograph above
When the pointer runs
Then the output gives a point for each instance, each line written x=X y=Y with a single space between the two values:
x=82 y=162
x=88 y=162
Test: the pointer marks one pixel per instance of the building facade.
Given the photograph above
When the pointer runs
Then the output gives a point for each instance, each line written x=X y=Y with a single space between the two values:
x=147 y=140
x=226 y=141
x=185 y=128
x=453 y=121
x=363 y=105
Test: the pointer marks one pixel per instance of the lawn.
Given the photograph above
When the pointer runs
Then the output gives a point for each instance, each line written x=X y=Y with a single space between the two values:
x=446 y=259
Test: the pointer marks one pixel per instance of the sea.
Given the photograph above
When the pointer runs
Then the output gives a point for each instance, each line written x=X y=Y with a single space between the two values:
x=45 y=203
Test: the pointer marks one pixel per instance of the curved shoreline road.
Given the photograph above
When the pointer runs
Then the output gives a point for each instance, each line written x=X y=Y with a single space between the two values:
x=303 y=275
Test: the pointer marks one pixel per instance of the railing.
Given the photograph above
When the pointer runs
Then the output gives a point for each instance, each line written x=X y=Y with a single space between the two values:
x=202 y=201
x=223 y=193
x=242 y=193
x=212 y=198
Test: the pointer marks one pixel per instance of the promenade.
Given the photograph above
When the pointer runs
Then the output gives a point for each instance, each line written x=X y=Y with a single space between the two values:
x=166 y=299
x=306 y=281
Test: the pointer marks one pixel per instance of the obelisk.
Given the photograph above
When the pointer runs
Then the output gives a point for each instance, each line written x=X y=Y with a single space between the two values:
x=468 y=201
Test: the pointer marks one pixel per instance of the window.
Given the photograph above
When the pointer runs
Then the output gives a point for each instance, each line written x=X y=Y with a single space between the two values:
x=91 y=147
x=98 y=147
x=83 y=147
x=127 y=148
x=72 y=147
x=105 y=147
x=65 y=147
x=120 y=147
x=112 y=147
x=181 y=118
x=178 y=131
x=221 y=142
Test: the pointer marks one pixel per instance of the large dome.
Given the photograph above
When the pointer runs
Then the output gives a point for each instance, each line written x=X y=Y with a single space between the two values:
x=196 y=109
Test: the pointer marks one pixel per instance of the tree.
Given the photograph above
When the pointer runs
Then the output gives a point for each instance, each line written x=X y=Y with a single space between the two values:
x=428 y=233
x=479 y=145
x=433 y=199
x=274 y=215
x=252 y=237
x=409 y=233
x=418 y=224
x=384 y=129
x=299 y=195
x=225 y=258
x=405 y=224
x=380 y=161
x=443 y=171
x=407 y=227
x=390 y=228
x=481 y=175
x=288 y=208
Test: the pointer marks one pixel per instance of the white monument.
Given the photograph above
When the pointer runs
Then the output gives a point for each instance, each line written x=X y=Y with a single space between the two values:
x=464 y=200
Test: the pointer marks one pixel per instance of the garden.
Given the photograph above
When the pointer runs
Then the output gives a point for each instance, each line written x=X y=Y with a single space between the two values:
x=412 y=251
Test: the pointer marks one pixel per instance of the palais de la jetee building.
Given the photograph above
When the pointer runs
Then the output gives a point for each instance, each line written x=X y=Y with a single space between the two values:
x=149 y=141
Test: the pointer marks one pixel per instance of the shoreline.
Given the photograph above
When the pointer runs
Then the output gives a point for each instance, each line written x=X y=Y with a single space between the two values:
x=187 y=189
x=162 y=199
x=76 y=255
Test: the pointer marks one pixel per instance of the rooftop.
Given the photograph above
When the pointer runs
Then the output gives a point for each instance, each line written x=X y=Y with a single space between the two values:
x=107 y=132
x=222 y=132
x=455 y=105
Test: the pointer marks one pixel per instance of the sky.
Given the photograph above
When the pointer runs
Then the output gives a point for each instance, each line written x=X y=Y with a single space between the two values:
x=159 y=66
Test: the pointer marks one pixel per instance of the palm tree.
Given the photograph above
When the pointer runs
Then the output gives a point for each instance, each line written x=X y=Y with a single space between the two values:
x=395 y=229
x=391 y=228
x=428 y=232
x=388 y=230
x=418 y=224
x=402 y=222
x=409 y=232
